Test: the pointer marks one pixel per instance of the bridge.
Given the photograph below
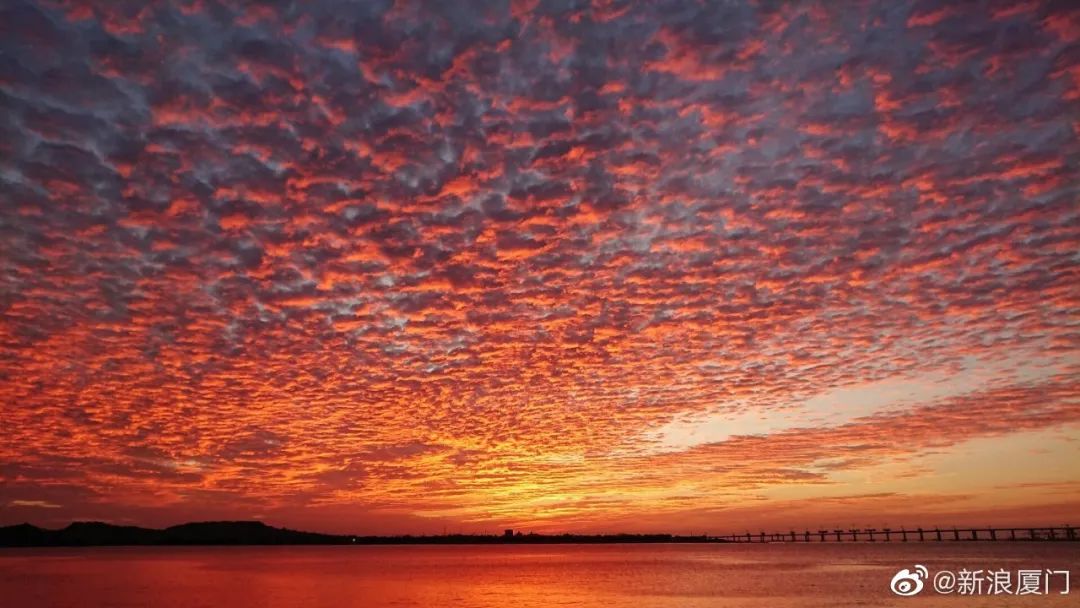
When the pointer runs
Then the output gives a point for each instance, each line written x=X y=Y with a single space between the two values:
x=1051 y=533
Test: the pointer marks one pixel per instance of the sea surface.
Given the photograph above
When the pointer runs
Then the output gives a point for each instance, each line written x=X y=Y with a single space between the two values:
x=774 y=575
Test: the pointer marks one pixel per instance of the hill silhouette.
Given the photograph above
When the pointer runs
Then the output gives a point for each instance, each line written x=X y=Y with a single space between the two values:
x=93 y=533
x=86 y=534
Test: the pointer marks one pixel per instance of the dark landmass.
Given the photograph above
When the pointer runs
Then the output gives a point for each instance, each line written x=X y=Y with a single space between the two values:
x=99 y=534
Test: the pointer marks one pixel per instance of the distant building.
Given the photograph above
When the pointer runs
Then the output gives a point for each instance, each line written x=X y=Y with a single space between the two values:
x=508 y=533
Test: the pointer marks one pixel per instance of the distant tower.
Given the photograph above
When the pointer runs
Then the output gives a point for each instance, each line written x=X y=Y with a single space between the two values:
x=508 y=533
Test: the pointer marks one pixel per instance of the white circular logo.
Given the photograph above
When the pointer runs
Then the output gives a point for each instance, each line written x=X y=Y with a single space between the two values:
x=908 y=583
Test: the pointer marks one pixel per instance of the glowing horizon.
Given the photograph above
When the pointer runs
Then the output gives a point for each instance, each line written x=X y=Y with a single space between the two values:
x=399 y=268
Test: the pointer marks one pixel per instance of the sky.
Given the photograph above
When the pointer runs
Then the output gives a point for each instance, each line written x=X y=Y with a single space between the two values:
x=400 y=267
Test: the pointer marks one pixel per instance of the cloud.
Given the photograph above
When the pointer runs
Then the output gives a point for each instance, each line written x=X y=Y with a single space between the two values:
x=38 y=504
x=447 y=263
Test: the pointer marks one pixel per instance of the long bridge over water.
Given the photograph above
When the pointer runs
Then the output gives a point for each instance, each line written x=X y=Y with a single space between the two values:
x=1051 y=533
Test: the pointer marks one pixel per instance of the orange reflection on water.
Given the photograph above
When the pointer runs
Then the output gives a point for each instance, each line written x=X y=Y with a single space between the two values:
x=612 y=576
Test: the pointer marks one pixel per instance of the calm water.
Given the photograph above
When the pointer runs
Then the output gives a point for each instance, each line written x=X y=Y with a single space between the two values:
x=612 y=576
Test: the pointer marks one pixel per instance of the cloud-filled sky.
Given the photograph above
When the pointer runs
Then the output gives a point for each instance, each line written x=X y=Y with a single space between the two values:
x=558 y=265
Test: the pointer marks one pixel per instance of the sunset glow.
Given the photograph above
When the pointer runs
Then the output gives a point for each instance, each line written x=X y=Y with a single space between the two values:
x=554 y=266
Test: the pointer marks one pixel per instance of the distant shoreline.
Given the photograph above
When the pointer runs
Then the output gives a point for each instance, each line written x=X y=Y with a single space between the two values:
x=254 y=533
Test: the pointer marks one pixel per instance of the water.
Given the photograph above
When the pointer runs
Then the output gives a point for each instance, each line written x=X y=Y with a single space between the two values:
x=611 y=576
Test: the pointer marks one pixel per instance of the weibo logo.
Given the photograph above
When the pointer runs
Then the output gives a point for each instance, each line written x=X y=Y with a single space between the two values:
x=908 y=583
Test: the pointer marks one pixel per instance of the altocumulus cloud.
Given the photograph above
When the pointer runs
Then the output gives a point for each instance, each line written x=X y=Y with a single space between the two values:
x=457 y=258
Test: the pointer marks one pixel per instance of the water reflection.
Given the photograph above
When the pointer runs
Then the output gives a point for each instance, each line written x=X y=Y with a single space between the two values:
x=612 y=576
